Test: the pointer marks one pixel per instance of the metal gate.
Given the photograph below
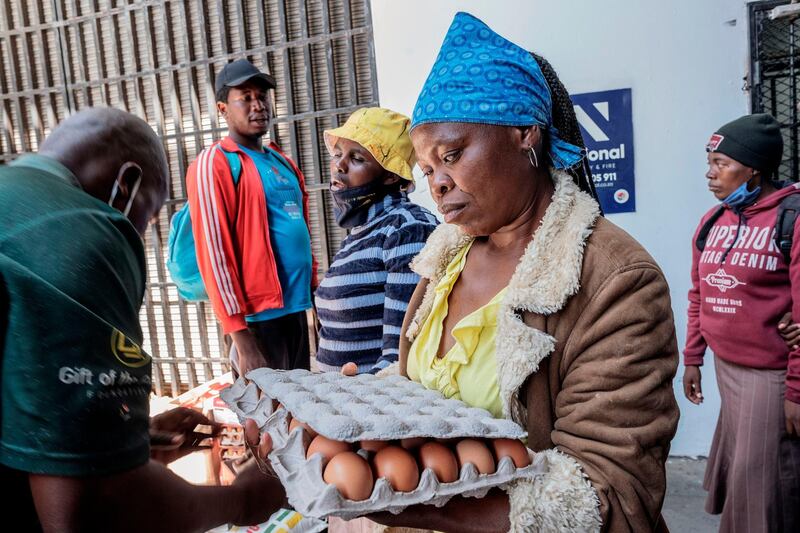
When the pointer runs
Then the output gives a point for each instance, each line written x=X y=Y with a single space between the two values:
x=774 y=72
x=158 y=59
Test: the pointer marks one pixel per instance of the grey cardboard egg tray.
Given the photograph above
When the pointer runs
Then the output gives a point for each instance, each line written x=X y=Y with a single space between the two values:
x=366 y=407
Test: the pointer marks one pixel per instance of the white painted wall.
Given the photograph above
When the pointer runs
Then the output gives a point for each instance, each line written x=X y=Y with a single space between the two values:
x=684 y=61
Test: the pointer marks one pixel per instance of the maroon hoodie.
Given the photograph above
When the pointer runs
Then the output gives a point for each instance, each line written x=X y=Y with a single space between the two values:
x=735 y=306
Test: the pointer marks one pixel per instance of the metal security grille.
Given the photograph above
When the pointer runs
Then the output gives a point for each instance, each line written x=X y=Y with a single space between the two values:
x=775 y=73
x=158 y=59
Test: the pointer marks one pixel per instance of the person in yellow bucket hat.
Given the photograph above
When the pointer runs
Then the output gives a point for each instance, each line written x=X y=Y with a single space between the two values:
x=363 y=298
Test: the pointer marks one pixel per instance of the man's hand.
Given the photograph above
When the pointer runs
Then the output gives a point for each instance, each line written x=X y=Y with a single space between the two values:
x=250 y=360
x=173 y=435
x=789 y=331
x=792 y=412
x=249 y=356
x=691 y=384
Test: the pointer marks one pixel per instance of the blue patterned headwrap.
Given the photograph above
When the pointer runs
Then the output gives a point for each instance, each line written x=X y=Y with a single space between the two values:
x=482 y=77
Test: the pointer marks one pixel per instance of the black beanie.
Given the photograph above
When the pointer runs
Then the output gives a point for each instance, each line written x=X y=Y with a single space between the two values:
x=752 y=140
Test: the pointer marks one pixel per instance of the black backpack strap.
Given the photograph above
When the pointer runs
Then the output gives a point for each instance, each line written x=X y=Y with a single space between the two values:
x=700 y=242
x=784 y=224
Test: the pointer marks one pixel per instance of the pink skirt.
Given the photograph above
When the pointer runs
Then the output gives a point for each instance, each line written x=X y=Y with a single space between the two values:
x=753 y=472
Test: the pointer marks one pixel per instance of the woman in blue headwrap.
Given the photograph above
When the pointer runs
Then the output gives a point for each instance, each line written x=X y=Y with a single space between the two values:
x=531 y=304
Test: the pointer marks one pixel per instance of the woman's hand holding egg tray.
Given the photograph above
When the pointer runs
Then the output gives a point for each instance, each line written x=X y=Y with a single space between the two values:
x=377 y=459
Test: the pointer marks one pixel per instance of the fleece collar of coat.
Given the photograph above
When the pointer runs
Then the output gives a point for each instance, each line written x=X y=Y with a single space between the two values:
x=546 y=276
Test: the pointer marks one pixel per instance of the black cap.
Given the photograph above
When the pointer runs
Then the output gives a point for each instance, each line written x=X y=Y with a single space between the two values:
x=238 y=72
x=752 y=140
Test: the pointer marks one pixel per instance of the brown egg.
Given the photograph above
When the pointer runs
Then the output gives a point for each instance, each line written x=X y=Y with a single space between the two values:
x=306 y=427
x=398 y=467
x=511 y=448
x=327 y=448
x=440 y=459
x=350 y=369
x=475 y=452
x=413 y=443
x=351 y=475
x=373 y=445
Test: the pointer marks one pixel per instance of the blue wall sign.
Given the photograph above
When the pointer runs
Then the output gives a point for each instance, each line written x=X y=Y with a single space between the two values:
x=607 y=126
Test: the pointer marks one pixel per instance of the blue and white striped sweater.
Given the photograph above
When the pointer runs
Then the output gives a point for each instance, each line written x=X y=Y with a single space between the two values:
x=363 y=298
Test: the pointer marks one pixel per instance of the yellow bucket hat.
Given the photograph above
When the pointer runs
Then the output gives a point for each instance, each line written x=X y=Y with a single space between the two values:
x=383 y=133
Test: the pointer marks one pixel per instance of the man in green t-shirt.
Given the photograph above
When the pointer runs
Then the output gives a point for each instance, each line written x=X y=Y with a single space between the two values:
x=74 y=416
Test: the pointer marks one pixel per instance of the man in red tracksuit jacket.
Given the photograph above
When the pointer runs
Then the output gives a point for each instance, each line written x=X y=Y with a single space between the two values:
x=252 y=238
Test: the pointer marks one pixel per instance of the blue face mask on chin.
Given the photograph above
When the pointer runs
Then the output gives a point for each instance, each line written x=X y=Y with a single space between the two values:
x=351 y=206
x=741 y=197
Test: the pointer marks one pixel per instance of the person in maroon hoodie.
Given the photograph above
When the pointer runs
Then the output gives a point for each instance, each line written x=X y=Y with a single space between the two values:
x=742 y=288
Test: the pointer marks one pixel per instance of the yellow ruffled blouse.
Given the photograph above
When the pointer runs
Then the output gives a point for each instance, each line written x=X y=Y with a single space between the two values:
x=468 y=371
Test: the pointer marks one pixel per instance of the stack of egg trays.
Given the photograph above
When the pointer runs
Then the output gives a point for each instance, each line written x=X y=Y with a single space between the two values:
x=366 y=407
